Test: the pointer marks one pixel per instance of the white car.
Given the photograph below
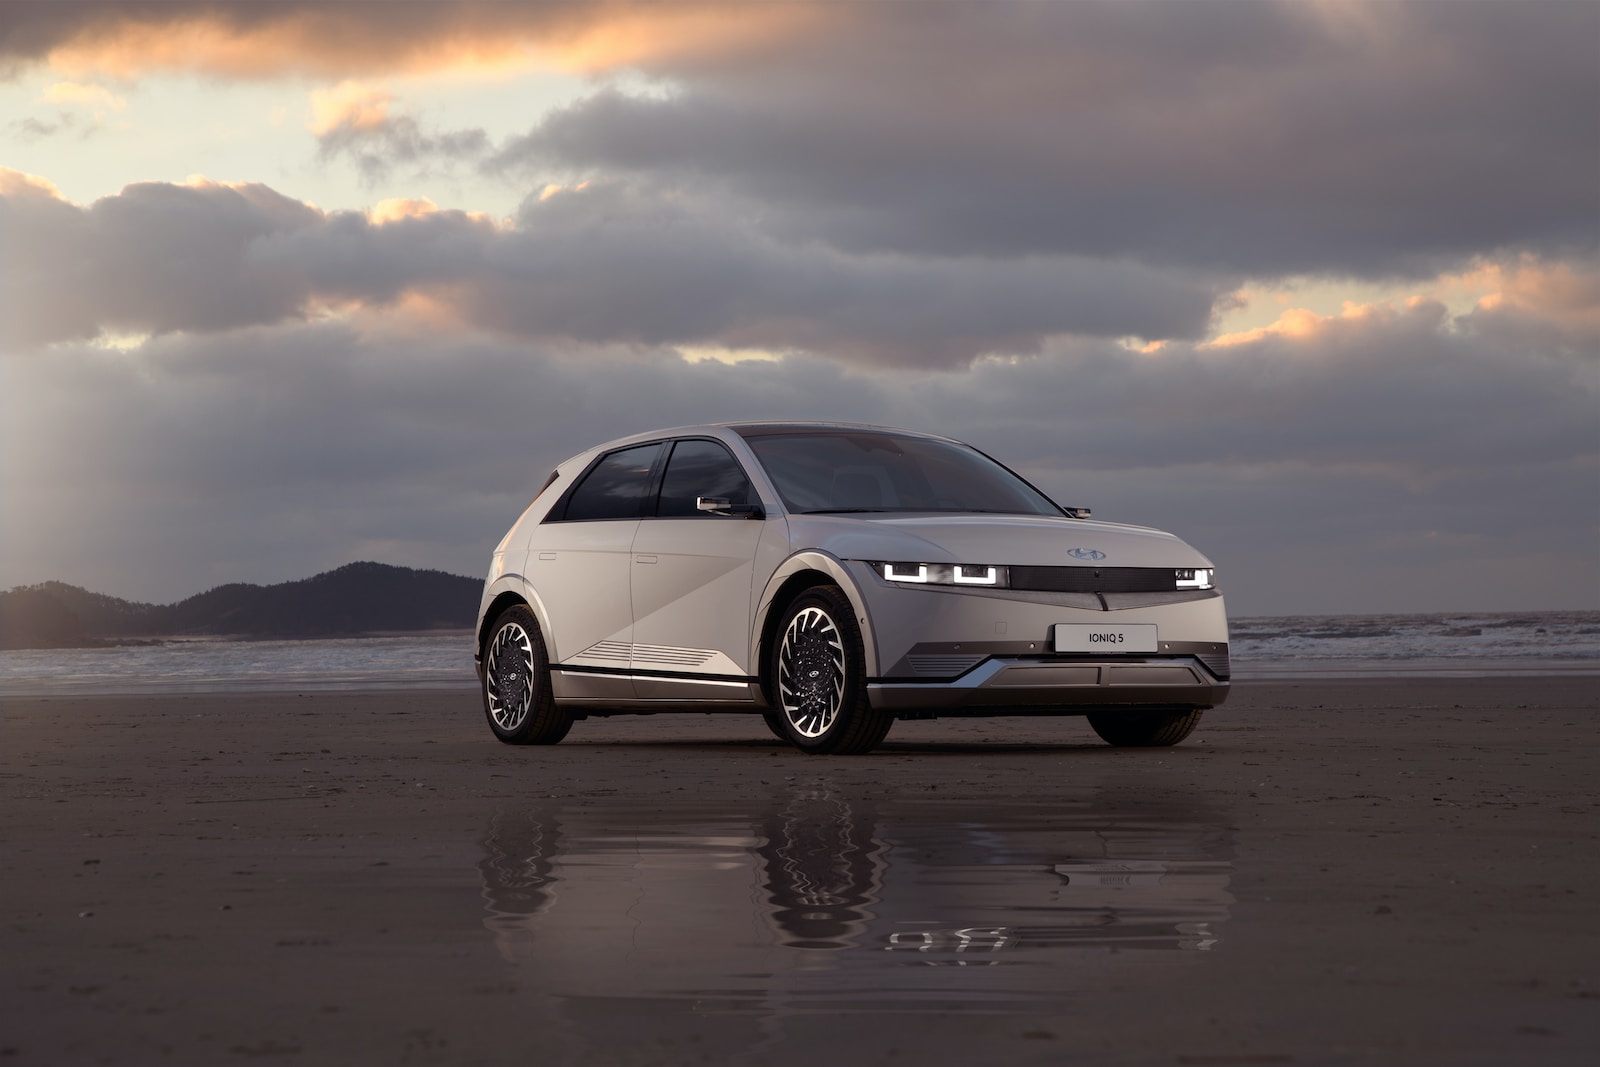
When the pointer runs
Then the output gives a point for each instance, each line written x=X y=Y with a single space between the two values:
x=833 y=578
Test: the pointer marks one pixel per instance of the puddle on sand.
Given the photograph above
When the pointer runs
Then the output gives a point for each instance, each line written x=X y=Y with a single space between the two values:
x=826 y=902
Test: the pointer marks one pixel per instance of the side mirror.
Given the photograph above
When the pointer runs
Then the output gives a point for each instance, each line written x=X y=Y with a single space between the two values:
x=718 y=505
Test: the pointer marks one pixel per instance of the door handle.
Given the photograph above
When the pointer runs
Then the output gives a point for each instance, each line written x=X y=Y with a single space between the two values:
x=644 y=559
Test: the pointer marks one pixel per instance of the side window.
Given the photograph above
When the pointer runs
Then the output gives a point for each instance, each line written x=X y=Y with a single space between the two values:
x=701 y=468
x=615 y=487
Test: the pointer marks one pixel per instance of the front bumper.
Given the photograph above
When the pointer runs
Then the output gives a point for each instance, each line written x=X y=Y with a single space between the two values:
x=1061 y=685
x=965 y=650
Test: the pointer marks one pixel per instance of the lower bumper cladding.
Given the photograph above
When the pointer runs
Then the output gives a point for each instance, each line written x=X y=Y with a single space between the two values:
x=1071 y=685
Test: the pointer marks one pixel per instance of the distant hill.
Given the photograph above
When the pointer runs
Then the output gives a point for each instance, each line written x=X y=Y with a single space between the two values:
x=358 y=598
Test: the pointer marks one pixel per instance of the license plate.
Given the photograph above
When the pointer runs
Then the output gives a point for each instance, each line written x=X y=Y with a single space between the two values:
x=1131 y=637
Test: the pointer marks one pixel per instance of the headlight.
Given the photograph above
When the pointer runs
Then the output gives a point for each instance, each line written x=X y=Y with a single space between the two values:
x=1196 y=578
x=944 y=574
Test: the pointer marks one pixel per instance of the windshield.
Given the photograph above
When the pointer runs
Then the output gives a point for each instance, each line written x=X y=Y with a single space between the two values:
x=865 y=471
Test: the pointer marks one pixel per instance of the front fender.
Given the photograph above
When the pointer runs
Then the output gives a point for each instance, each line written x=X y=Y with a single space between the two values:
x=823 y=563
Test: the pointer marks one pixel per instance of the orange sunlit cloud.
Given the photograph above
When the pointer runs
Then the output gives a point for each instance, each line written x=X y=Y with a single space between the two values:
x=16 y=183
x=301 y=42
x=1563 y=293
x=640 y=34
x=403 y=209
x=93 y=97
x=340 y=40
x=1557 y=291
x=438 y=309
x=1297 y=323
x=396 y=208
x=351 y=104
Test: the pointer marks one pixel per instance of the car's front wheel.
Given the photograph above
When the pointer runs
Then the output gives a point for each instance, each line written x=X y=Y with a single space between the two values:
x=818 y=674
x=1145 y=729
x=516 y=683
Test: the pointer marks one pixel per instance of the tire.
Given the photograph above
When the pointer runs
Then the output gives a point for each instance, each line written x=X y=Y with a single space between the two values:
x=516 y=682
x=775 y=724
x=818 y=673
x=1145 y=729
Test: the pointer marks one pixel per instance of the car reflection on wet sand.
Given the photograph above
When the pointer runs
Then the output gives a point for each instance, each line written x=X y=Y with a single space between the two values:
x=838 y=902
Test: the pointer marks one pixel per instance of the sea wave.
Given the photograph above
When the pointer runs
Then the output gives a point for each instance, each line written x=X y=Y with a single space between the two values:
x=422 y=661
x=1261 y=646
x=1551 y=635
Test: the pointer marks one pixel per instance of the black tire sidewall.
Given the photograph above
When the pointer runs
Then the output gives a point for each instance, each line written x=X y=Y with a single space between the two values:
x=1145 y=728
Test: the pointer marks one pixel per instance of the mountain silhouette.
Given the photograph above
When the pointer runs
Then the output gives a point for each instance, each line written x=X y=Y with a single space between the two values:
x=358 y=598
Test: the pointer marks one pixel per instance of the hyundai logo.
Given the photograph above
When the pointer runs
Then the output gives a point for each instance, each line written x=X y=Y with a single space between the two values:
x=1086 y=553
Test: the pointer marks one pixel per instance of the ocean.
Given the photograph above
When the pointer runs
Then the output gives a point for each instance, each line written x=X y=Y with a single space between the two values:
x=1461 y=644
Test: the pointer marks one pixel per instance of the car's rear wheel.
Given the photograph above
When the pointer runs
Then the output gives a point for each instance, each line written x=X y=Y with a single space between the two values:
x=818 y=675
x=1145 y=729
x=516 y=683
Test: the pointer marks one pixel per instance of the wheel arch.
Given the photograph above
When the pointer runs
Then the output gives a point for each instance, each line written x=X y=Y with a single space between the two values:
x=798 y=573
x=506 y=591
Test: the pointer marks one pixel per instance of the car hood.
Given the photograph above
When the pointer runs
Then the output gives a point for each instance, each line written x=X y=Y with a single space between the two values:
x=1011 y=540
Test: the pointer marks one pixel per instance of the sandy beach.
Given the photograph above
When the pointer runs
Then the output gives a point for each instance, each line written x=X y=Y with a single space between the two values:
x=1331 y=871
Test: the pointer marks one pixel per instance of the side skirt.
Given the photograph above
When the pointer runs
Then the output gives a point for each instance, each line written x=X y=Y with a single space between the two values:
x=582 y=686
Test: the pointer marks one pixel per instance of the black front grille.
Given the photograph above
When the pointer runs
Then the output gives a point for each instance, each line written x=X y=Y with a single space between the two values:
x=1095 y=579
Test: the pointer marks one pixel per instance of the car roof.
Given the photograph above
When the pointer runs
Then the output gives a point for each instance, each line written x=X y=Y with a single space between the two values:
x=765 y=428
x=757 y=428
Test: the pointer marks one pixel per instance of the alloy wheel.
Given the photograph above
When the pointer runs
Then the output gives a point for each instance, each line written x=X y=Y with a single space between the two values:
x=508 y=676
x=811 y=672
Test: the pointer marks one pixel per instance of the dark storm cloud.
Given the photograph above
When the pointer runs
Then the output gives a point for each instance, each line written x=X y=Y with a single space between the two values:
x=889 y=191
x=1258 y=137
x=154 y=258
x=599 y=265
x=1399 y=394
x=1371 y=464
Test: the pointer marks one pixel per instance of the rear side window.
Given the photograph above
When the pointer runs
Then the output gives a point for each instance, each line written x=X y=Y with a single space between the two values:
x=701 y=468
x=615 y=487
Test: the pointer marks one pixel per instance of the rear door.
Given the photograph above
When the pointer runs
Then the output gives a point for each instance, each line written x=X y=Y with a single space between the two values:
x=579 y=562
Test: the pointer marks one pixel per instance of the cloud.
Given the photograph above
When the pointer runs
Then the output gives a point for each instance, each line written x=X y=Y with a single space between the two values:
x=1015 y=223
x=605 y=264
x=82 y=111
x=1558 y=302
x=354 y=119
x=155 y=258
x=34 y=128
x=278 y=38
x=378 y=148
x=350 y=105
x=1262 y=138
x=89 y=97
x=1369 y=463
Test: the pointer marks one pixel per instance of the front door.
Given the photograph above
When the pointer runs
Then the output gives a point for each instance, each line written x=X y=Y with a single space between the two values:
x=692 y=574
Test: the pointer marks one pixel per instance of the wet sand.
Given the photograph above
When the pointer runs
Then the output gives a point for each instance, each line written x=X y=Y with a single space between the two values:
x=1328 y=872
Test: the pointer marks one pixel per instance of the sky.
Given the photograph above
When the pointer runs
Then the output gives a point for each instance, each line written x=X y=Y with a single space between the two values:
x=1313 y=284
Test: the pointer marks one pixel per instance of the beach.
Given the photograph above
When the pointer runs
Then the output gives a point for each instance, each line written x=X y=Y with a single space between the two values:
x=1331 y=870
